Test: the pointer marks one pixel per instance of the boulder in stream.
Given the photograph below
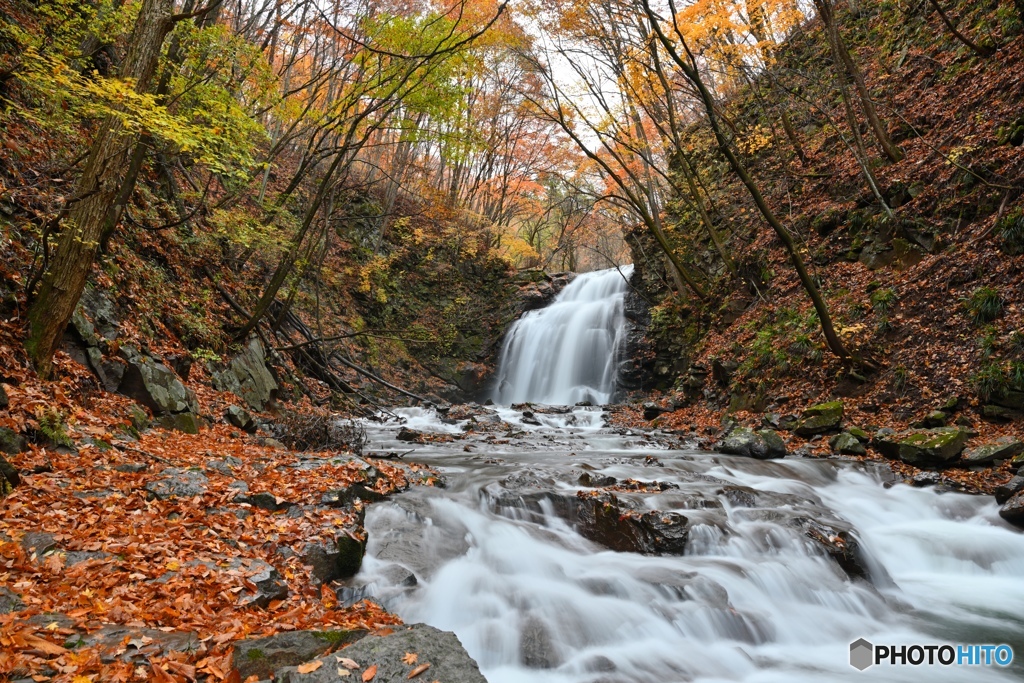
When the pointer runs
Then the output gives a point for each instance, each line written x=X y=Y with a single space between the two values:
x=1013 y=510
x=762 y=444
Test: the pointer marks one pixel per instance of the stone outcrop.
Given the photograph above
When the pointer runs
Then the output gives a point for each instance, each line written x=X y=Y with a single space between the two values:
x=248 y=377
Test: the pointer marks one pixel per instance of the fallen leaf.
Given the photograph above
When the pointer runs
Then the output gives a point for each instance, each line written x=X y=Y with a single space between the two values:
x=418 y=670
x=410 y=658
x=344 y=672
x=310 y=667
x=370 y=673
x=347 y=663
x=43 y=645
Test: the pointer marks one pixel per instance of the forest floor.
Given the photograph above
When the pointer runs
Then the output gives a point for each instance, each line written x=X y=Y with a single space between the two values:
x=940 y=317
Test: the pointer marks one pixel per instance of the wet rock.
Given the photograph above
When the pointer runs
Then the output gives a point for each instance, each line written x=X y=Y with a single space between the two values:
x=922 y=479
x=653 y=410
x=930 y=447
x=739 y=496
x=1013 y=510
x=38 y=542
x=406 y=434
x=261 y=657
x=596 y=480
x=397 y=575
x=536 y=649
x=10 y=601
x=247 y=377
x=441 y=649
x=604 y=520
x=342 y=497
x=338 y=560
x=1003 y=448
x=1011 y=488
x=847 y=444
x=176 y=482
x=839 y=545
x=819 y=419
x=11 y=442
x=240 y=417
x=154 y=385
x=761 y=444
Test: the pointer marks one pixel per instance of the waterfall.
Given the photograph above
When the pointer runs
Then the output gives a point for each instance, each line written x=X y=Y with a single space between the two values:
x=569 y=351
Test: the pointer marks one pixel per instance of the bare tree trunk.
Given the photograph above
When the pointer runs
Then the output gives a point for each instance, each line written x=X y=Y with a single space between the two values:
x=859 y=151
x=787 y=125
x=977 y=49
x=867 y=105
x=835 y=344
x=97 y=190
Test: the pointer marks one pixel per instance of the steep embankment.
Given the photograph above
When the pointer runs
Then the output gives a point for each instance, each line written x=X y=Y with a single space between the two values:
x=932 y=296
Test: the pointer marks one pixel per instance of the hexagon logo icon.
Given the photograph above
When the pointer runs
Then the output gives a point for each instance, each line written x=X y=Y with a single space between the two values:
x=862 y=654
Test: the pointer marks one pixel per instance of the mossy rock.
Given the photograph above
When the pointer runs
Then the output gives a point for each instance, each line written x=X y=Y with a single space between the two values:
x=859 y=434
x=261 y=657
x=847 y=444
x=11 y=442
x=932 y=446
x=1003 y=448
x=820 y=418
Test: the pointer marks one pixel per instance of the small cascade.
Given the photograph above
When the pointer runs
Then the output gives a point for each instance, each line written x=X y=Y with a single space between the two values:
x=569 y=351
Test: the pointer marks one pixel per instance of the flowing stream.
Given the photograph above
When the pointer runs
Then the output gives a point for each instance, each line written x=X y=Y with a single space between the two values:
x=751 y=589
x=752 y=598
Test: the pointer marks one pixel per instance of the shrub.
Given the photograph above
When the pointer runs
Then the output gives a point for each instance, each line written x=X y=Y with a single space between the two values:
x=984 y=305
x=1010 y=229
x=883 y=299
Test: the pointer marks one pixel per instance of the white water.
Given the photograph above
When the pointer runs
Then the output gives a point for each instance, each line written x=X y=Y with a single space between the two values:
x=569 y=351
x=752 y=599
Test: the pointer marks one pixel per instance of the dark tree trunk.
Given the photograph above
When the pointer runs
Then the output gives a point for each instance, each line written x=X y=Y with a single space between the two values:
x=835 y=344
x=97 y=190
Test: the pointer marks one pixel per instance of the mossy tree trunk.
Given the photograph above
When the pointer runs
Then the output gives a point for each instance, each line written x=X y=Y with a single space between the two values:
x=65 y=277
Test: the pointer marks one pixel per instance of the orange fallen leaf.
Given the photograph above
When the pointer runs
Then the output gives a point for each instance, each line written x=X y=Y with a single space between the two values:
x=410 y=658
x=418 y=670
x=43 y=645
x=370 y=673
x=310 y=667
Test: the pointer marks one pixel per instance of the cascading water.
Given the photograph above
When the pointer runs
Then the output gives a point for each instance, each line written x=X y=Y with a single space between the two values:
x=569 y=351
x=753 y=598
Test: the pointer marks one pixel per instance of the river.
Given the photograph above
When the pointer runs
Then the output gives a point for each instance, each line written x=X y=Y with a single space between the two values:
x=751 y=598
